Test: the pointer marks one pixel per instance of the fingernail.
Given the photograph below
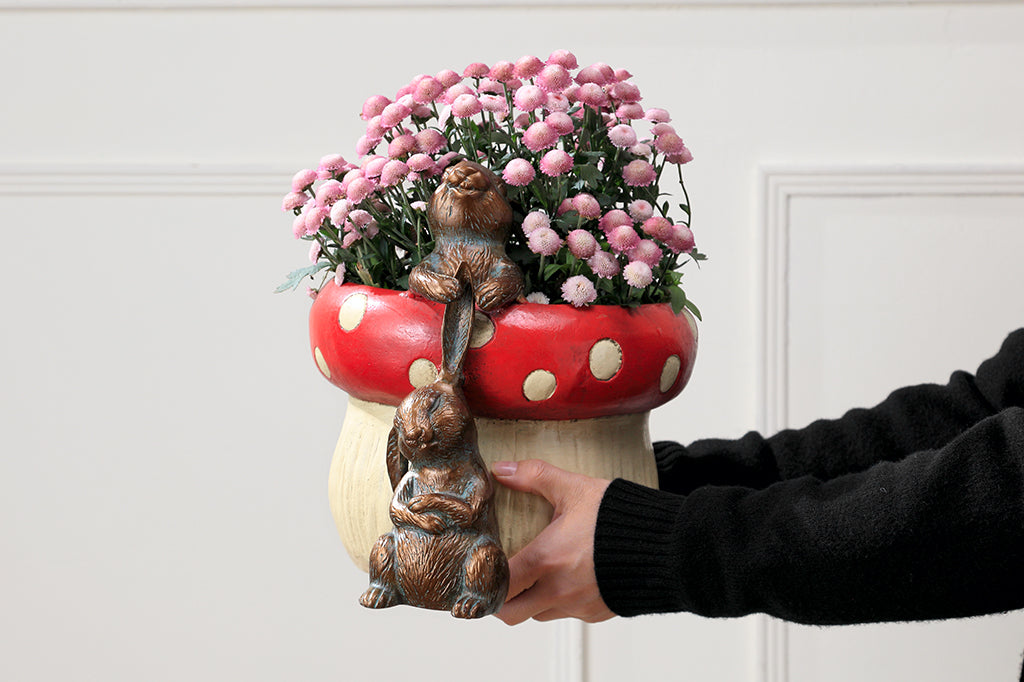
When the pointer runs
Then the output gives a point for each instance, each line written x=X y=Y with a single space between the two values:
x=504 y=468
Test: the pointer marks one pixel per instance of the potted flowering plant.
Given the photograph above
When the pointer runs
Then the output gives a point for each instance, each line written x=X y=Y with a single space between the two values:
x=606 y=332
x=582 y=176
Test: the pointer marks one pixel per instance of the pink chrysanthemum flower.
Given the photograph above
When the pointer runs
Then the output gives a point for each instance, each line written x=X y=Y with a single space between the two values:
x=562 y=123
x=638 y=274
x=554 y=78
x=586 y=205
x=393 y=174
x=299 y=226
x=373 y=106
x=565 y=206
x=359 y=189
x=427 y=90
x=604 y=264
x=544 y=241
x=374 y=128
x=518 y=173
x=662 y=129
x=641 y=149
x=630 y=111
x=314 y=251
x=394 y=114
x=430 y=141
x=563 y=58
x=540 y=136
x=527 y=67
x=646 y=251
x=622 y=75
x=418 y=206
x=366 y=144
x=592 y=74
x=373 y=165
x=444 y=160
x=495 y=104
x=339 y=274
x=312 y=293
x=582 y=244
x=349 y=239
x=538 y=297
x=475 y=70
x=556 y=162
x=681 y=157
x=579 y=291
x=502 y=71
x=329 y=192
x=466 y=106
x=681 y=240
x=529 y=97
x=330 y=165
x=456 y=91
x=315 y=218
x=623 y=238
x=557 y=102
x=302 y=180
x=622 y=136
x=535 y=220
x=639 y=173
x=592 y=95
x=625 y=92
x=421 y=163
x=614 y=218
x=669 y=143
x=294 y=200
x=657 y=115
x=658 y=227
x=339 y=212
x=640 y=210
x=448 y=77
x=359 y=218
x=403 y=145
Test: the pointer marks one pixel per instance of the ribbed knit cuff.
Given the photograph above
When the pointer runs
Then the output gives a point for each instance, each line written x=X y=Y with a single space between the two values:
x=634 y=557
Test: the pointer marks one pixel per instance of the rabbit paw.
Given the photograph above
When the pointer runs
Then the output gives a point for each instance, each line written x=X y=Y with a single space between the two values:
x=470 y=606
x=377 y=597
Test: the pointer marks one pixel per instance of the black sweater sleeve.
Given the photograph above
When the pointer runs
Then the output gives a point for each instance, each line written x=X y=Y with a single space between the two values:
x=910 y=419
x=824 y=528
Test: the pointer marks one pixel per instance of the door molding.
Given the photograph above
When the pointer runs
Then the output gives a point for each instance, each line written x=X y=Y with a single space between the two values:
x=779 y=186
x=130 y=5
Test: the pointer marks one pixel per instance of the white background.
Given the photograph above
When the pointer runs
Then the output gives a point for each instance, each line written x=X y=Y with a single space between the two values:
x=166 y=437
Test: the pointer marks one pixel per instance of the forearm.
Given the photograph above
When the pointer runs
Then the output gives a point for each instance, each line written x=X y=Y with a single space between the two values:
x=939 y=533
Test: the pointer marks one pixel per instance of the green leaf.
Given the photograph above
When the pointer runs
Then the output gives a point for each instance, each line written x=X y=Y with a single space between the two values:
x=295 y=277
x=678 y=300
x=590 y=175
x=693 y=309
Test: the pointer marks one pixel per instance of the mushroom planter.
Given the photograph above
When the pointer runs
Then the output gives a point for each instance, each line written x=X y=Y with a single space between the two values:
x=571 y=386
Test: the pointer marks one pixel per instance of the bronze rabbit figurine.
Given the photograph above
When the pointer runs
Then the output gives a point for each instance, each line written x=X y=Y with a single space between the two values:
x=469 y=219
x=444 y=551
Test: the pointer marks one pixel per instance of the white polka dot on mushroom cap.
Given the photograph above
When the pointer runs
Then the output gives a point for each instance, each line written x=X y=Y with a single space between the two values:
x=483 y=330
x=321 y=363
x=351 y=312
x=605 y=359
x=422 y=372
x=669 y=373
x=540 y=384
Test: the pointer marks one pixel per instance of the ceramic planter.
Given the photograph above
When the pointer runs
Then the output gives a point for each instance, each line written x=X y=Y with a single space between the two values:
x=571 y=386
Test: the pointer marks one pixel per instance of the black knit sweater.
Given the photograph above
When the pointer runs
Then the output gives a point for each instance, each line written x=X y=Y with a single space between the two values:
x=911 y=510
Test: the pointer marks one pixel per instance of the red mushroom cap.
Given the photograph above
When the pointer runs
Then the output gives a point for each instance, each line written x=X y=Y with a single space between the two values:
x=528 y=361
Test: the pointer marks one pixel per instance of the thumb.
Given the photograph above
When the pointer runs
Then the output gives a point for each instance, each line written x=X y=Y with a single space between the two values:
x=535 y=476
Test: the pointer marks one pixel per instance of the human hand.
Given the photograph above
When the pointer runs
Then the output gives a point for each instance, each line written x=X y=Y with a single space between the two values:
x=553 y=576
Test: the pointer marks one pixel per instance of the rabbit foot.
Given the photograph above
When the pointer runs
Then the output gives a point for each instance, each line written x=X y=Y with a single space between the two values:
x=471 y=606
x=377 y=597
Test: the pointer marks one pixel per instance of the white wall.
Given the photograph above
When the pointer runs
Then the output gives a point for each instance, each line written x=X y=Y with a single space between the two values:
x=165 y=440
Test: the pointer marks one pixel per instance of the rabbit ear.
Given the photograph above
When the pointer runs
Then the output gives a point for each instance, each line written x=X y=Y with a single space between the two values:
x=456 y=328
x=397 y=465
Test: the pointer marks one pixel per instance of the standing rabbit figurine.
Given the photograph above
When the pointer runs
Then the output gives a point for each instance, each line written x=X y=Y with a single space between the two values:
x=444 y=551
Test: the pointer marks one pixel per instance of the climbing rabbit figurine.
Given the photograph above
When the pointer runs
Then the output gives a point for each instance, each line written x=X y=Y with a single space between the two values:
x=444 y=551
